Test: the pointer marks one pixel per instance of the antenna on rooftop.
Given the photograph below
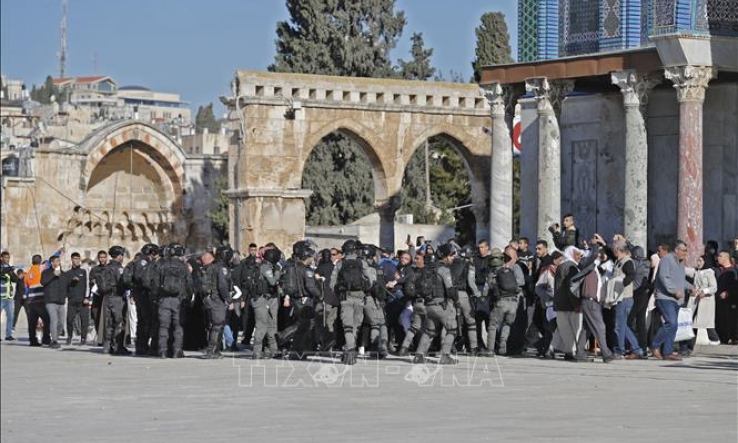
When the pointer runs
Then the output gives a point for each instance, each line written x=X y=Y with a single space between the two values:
x=62 y=54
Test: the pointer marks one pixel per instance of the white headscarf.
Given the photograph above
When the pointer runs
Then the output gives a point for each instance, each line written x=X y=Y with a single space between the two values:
x=569 y=253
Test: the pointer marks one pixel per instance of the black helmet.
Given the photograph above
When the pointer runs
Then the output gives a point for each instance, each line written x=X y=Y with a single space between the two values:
x=430 y=260
x=150 y=249
x=350 y=245
x=445 y=250
x=224 y=253
x=116 y=251
x=176 y=250
x=466 y=252
x=272 y=255
x=368 y=251
x=302 y=250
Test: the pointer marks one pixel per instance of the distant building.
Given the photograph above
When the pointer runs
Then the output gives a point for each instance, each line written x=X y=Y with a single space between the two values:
x=134 y=102
x=206 y=143
x=550 y=29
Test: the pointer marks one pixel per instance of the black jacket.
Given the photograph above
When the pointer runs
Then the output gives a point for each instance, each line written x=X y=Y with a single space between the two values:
x=75 y=281
x=55 y=289
x=325 y=269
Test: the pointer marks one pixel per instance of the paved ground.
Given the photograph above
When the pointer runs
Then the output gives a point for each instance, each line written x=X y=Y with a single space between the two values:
x=77 y=393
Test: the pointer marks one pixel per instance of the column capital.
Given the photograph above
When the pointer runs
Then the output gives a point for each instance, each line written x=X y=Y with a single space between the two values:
x=690 y=81
x=549 y=94
x=494 y=92
x=635 y=86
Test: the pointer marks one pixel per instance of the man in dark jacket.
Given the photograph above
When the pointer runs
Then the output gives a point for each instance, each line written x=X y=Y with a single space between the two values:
x=326 y=308
x=216 y=292
x=107 y=279
x=55 y=294
x=8 y=278
x=568 y=235
x=78 y=299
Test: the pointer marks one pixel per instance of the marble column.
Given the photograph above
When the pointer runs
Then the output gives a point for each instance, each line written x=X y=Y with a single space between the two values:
x=548 y=98
x=635 y=88
x=501 y=170
x=690 y=83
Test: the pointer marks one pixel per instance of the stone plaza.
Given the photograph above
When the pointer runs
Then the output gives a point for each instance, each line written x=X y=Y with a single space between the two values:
x=86 y=395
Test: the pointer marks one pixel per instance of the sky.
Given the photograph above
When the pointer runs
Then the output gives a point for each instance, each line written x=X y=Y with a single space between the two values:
x=193 y=47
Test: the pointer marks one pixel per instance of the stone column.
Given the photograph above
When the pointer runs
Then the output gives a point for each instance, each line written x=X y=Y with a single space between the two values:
x=548 y=98
x=386 y=211
x=501 y=171
x=635 y=88
x=690 y=83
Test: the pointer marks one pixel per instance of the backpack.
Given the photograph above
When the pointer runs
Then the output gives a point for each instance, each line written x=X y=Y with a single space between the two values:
x=127 y=277
x=252 y=282
x=460 y=275
x=351 y=276
x=288 y=281
x=506 y=281
x=427 y=282
x=105 y=280
x=171 y=278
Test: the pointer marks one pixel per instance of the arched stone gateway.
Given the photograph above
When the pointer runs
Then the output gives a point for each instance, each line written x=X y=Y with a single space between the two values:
x=127 y=183
x=132 y=186
x=284 y=116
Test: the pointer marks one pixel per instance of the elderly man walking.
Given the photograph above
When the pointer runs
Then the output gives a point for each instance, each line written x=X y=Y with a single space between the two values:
x=670 y=286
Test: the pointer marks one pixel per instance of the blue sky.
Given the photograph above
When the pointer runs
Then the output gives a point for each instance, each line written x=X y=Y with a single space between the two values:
x=193 y=46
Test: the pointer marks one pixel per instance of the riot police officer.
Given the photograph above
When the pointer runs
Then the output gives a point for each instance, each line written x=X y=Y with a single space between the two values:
x=216 y=293
x=374 y=302
x=265 y=303
x=350 y=279
x=108 y=282
x=175 y=284
x=440 y=309
x=299 y=285
x=142 y=297
x=464 y=277
x=424 y=264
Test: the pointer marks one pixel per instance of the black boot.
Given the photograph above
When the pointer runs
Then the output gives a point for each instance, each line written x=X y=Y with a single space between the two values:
x=404 y=352
x=447 y=360
x=69 y=341
x=419 y=359
x=349 y=357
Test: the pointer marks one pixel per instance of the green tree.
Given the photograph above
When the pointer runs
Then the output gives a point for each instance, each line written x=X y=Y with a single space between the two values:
x=338 y=37
x=493 y=43
x=419 y=68
x=205 y=118
x=219 y=214
x=45 y=92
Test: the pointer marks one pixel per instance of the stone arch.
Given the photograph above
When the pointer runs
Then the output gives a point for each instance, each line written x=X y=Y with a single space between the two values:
x=368 y=142
x=158 y=146
x=474 y=157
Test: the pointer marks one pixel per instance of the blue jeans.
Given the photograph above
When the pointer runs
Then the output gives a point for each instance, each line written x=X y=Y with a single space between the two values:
x=667 y=332
x=227 y=336
x=622 y=310
x=8 y=305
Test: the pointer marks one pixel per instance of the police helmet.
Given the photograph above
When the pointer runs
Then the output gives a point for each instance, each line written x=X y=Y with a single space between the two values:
x=150 y=249
x=350 y=245
x=116 y=251
x=176 y=250
x=224 y=253
x=445 y=250
x=496 y=258
x=466 y=252
x=272 y=255
x=369 y=251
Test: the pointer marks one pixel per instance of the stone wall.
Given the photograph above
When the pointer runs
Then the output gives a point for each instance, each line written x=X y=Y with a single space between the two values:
x=286 y=115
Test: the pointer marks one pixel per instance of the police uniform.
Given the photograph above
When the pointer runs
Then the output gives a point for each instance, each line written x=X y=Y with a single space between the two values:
x=150 y=278
x=503 y=309
x=304 y=303
x=144 y=306
x=169 y=307
x=352 y=305
x=440 y=313
x=266 y=309
x=114 y=306
x=374 y=310
x=464 y=277
x=216 y=292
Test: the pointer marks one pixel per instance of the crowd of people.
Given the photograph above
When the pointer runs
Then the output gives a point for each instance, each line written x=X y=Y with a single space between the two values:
x=582 y=299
